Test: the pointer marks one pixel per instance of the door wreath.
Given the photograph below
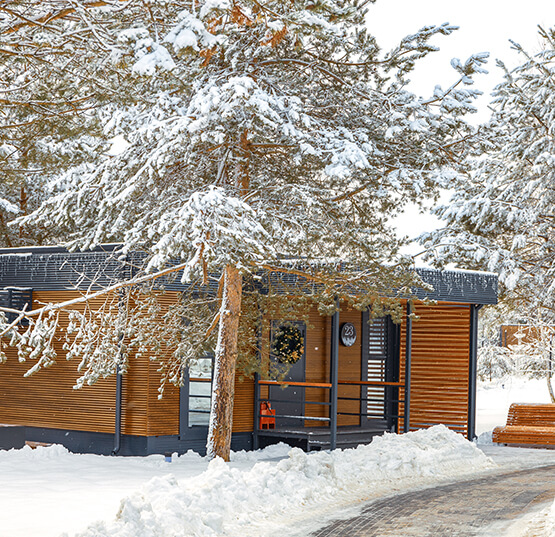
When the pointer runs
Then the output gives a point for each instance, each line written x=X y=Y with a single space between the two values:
x=288 y=344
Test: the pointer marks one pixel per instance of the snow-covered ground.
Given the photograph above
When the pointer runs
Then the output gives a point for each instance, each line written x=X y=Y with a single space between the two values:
x=278 y=490
x=541 y=525
x=492 y=405
x=49 y=491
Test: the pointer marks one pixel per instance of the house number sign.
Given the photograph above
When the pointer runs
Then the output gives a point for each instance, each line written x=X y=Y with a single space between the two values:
x=348 y=334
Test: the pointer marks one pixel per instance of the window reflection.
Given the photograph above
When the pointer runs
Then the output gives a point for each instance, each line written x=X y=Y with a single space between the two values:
x=200 y=389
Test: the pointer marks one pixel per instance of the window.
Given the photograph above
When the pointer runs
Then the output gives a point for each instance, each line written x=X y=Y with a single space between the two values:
x=16 y=298
x=200 y=391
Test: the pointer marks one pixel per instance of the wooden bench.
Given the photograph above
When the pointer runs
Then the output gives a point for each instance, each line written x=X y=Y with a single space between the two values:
x=530 y=424
x=34 y=445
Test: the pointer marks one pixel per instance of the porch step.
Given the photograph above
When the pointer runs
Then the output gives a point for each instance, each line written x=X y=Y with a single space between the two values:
x=344 y=441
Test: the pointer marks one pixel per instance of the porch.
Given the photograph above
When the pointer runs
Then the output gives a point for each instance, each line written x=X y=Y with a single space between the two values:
x=364 y=392
x=377 y=415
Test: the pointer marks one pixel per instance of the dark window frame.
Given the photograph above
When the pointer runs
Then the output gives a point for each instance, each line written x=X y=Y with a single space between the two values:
x=16 y=298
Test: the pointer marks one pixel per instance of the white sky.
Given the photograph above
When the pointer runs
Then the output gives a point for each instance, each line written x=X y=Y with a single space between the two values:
x=485 y=26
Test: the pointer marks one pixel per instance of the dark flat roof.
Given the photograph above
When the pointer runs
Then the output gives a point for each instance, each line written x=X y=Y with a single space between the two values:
x=54 y=268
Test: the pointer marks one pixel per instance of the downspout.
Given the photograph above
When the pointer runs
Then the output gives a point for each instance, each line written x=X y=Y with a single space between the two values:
x=117 y=434
x=473 y=370
x=256 y=424
x=334 y=375
x=119 y=379
x=408 y=358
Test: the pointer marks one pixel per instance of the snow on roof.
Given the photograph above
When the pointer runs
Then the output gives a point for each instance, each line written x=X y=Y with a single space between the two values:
x=54 y=267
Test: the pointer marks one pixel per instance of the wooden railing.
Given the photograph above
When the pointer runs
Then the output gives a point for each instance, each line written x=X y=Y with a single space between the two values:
x=288 y=383
x=326 y=385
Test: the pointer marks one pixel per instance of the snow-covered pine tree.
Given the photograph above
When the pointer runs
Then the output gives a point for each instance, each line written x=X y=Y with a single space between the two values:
x=43 y=107
x=255 y=133
x=501 y=216
x=494 y=360
x=532 y=355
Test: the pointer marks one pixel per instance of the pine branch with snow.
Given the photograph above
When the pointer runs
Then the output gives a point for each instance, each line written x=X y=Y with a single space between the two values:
x=501 y=215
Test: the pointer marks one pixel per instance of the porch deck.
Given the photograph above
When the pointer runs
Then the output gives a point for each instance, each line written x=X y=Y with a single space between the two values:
x=318 y=438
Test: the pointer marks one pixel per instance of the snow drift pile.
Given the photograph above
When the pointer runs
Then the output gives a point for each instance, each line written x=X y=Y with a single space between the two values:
x=293 y=492
x=542 y=525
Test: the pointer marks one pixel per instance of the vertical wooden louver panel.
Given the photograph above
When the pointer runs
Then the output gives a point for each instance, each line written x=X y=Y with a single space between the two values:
x=440 y=366
x=243 y=405
x=377 y=360
x=317 y=349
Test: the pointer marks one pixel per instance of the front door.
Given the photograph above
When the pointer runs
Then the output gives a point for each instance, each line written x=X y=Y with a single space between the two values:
x=287 y=342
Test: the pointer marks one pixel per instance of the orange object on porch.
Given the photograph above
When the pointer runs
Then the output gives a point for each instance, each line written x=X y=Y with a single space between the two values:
x=265 y=411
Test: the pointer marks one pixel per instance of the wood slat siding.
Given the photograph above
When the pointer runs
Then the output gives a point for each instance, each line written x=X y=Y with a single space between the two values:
x=439 y=391
x=439 y=365
x=317 y=350
x=162 y=415
x=47 y=399
x=243 y=406
x=350 y=368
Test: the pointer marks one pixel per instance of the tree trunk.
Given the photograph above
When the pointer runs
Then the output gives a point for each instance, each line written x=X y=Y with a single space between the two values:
x=550 y=374
x=223 y=388
x=550 y=388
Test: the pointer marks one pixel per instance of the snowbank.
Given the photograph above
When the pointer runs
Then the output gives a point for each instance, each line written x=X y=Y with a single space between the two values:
x=541 y=525
x=269 y=497
x=550 y=521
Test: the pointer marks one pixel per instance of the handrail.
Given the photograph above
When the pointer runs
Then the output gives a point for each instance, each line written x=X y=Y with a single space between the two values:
x=287 y=383
x=304 y=418
x=371 y=383
x=328 y=385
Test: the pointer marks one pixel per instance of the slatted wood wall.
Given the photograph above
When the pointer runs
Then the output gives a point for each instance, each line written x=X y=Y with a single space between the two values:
x=439 y=365
x=47 y=399
x=439 y=388
x=317 y=349
x=161 y=415
x=243 y=406
x=350 y=368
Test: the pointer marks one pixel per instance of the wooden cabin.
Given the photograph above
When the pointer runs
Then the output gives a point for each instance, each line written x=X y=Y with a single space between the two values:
x=517 y=334
x=352 y=379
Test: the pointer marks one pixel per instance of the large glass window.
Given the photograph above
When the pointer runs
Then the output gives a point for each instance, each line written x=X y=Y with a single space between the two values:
x=200 y=390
